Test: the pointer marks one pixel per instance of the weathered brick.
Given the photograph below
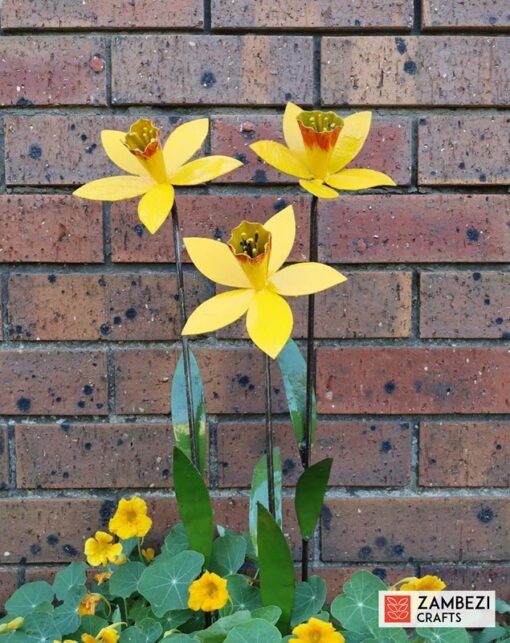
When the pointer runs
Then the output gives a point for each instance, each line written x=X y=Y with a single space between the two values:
x=365 y=454
x=388 y=147
x=464 y=454
x=321 y=14
x=472 y=577
x=446 y=144
x=413 y=380
x=201 y=215
x=96 y=14
x=465 y=304
x=427 y=529
x=47 y=530
x=81 y=456
x=451 y=14
x=415 y=228
x=233 y=380
x=50 y=228
x=8 y=584
x=4 y=459
x=414 y=70
x=368 y=304
x=336 y=576
x=53 y=382
x=99 y=306
x=63 y=70
x=224 y=70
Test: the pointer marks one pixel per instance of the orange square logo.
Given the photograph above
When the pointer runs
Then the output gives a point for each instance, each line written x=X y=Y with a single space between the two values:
x=397 y=609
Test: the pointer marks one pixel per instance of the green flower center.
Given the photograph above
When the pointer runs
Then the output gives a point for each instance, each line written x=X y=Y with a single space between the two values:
x=320 y=121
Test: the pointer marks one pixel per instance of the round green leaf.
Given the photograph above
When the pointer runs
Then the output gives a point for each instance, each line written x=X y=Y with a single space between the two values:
x=255 y=631
x=310 y=597
x=124 y=580
x=28 y=597
x=228 y=554
x=243 y=594
x=358 y=606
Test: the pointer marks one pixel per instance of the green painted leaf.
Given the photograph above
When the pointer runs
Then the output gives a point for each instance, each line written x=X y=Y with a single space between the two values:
x=176 y=541
x=310 y=492
x=358 y=606
x=293 y=368
x=277 y=580
x=165 y=583
x=444 y=634
x=255 y=631
x=28 y=597
x=180 y=410
x=243 y=594
x=259 y=492
x=74 y=575
x=194 y=504
x=228 y=554
x=310 y=597
x=124 y=580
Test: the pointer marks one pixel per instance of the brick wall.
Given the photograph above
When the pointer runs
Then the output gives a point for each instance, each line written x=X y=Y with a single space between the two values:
x=413 y=364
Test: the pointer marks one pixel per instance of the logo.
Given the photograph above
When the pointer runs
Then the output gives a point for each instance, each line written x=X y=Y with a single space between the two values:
x=437 y=609
x=397 y=609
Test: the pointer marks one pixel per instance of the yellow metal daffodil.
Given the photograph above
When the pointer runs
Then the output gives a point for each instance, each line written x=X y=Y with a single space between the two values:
x=251 y=263
x=154 y=169
x=319 y=146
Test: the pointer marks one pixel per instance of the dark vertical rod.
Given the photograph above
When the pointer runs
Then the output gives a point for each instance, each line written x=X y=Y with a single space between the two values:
x=184 y=340
x=269 y=438
x=310 y=367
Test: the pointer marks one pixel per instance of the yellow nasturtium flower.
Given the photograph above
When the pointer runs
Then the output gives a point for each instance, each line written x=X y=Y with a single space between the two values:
x=130 y=519
x=148 y=554
x=208 y=593
x=251 y=262
x=88 y=604
x=100 y=550
x=424 y=584
x=15 y=624
x=316 y=631
x=106 y=635
x=319 y=146
x=154 y=169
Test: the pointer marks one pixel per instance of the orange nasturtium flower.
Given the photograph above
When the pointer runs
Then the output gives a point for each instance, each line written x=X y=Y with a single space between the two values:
x=319 y=146
x=154 y=169
x=424 y=584
x=106 y=635
x=316 y=631
x=102 y=577
x=130 y=519
x=251 y=262
x=88 y=604
x=100 y=551
x=208 y=593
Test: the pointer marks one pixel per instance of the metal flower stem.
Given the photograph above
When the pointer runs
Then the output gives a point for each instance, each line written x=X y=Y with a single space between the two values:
x=184 y=340
x=269 y=438
x=310 y=367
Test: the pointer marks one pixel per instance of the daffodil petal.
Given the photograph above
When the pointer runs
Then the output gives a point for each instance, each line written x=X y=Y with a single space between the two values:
x=118 y=153
x=155 y=206
x=184 y=142
x=291 y=131
x=215 y=260
x=305 y=279
x=281 y=158
x=357 y=179
x=269 y=322
x=317 y=188
x=219 y=311
x=282 y=227
x=352 y=138
x=204 y=169
x=114 y=188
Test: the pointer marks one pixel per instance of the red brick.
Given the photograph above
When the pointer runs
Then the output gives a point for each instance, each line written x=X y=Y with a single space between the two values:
x=413 y=380
x=388 y=148
x=321 y=14
x=336 y=576
x=4 y=458
x=223 y=70
x=96 y=14
x=368 y=304
x=233 y=380
x=427 y=529
x=53 y=530
x=415 y=228
x=414 y=70
x=50 y=228
x=445 y=151
x=465 y=304
x=99 y=306
x=63 y=70
x=53 y=382
x=364 y=454
x=472 y=577
x=200 y=215
x=8 y=584
x=82 y=456
x=464 y=454
x=451 y=14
